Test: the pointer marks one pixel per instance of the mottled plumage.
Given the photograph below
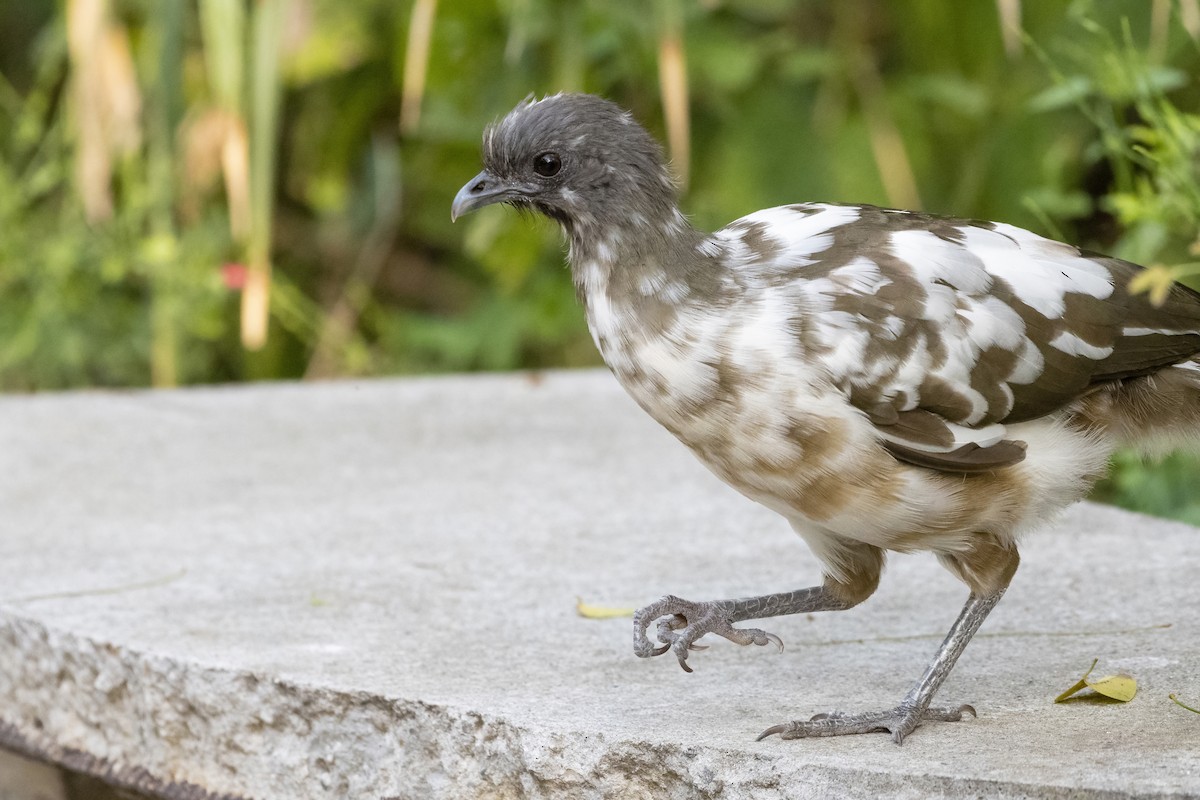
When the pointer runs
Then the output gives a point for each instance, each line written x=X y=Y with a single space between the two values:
x=885 y=380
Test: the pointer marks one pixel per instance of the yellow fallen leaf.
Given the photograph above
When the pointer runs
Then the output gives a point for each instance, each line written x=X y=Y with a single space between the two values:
x=588 y=611
x=1071 y=691
x=1119 y=687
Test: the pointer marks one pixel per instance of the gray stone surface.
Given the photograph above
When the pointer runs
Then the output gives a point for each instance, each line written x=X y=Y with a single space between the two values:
x=368 y=590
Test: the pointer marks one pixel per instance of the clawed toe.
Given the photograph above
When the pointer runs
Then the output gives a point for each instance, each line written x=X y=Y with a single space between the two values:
x=950 y=714
x=773 y=730
x=899 y=722
x=682 y=622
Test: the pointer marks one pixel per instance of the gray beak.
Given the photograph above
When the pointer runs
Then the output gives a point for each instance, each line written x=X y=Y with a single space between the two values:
x=483 y=190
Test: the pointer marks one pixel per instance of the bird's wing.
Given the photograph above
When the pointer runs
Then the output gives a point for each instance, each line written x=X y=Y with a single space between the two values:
x=942 y=330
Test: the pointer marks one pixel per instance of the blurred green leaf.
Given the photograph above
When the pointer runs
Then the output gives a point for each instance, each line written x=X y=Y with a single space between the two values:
x=1064 y=94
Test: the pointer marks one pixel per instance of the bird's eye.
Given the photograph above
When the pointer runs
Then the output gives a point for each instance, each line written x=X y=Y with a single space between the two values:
x=547 y=164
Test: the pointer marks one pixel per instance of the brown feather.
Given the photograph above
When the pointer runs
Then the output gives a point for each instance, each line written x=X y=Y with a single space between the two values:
x=968 y=458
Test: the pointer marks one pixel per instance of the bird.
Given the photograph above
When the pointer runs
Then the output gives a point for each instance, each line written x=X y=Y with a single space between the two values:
x=885 y=380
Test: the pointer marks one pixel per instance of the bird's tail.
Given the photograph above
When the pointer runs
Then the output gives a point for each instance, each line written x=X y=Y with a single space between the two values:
x=1153 y=414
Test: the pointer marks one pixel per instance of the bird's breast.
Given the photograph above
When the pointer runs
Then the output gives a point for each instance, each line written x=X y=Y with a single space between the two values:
x=735 y=388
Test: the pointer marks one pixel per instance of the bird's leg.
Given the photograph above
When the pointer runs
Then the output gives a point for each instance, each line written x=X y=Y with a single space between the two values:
x=682 y=622
x=915 y=708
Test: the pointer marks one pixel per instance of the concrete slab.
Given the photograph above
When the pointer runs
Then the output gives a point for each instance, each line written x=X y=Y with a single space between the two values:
x=367 y=590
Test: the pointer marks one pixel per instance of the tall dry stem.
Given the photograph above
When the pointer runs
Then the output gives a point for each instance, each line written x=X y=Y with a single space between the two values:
x=673 y=86
x=416 y=64
x=105 y=99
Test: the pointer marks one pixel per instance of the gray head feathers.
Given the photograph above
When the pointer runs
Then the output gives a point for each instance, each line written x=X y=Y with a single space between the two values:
x=599 y=168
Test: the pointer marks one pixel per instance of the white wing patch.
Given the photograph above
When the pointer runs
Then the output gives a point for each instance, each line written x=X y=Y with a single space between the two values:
x=993 y=323
x=934 y=259
x=797 y=232
x=1133 y=331
x=1072 y=345
x=1030 y=363
x=861 y=276
x=1040 y=272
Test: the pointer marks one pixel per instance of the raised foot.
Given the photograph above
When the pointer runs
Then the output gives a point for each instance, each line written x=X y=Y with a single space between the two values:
x=899 y=721
x=682 y=622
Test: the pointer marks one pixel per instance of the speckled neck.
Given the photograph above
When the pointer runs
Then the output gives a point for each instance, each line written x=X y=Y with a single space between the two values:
x=625 y=259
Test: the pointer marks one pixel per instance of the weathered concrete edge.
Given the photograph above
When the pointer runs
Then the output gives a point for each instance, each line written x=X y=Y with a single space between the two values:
x=214 y=723
x=129 y=779
x=19 y=664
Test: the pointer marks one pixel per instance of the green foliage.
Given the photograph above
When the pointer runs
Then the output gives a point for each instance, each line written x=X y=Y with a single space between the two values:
x=1166 y=489
x=1086 y=129
x=76 y=298
x=1152 y=149
x=1147 y=141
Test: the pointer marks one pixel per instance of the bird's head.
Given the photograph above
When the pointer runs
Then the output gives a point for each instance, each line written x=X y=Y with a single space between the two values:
x=576 y=158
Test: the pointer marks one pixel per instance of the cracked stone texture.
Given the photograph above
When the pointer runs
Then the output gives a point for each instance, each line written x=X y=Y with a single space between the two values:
x=367 y=590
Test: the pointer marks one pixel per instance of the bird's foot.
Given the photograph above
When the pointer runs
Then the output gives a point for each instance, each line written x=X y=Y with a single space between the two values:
x=899 y=722
x=682 y=622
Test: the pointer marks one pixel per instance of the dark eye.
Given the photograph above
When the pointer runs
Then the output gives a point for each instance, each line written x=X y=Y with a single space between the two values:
x=547 y=164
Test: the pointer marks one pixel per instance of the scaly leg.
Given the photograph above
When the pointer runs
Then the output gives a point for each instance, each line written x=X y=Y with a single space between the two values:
x=914 y=708
x=988 y=570
x=682 y=622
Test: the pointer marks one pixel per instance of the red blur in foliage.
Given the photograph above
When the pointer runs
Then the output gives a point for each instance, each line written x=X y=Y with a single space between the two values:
x=233 y=275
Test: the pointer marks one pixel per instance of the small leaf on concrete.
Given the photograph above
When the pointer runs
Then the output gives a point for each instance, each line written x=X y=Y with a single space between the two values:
x=1119 y=687
x=1077 y=687
x=588 y=611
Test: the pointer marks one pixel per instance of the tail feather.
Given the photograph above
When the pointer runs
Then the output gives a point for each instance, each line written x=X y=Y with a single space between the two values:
x=1153 y=414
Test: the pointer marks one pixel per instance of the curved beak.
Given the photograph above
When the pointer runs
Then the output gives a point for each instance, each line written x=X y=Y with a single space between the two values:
x=483 y=190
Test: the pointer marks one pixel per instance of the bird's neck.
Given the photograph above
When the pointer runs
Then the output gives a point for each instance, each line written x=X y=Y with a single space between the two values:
x=637 y=280
x=630 y=254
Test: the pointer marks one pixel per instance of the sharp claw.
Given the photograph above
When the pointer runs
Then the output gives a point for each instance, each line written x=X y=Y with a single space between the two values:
x=815 y=717
x=681 y=653
x=970 y=708
x=771 y=731
x=678 y=630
